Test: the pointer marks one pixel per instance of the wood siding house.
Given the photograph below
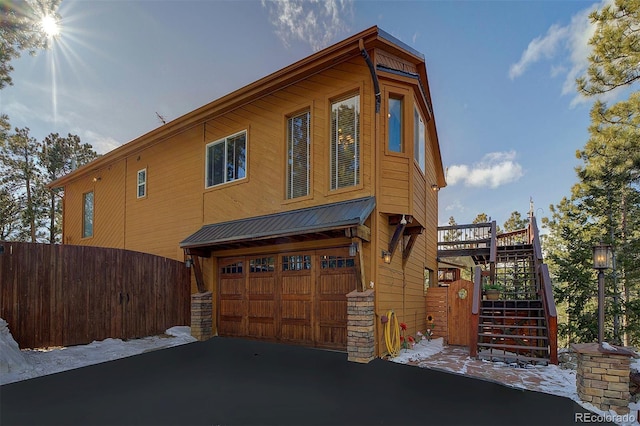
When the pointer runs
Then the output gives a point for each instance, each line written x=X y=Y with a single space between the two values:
x=285 y=195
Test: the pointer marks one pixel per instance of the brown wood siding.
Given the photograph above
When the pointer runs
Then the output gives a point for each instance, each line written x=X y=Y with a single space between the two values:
x=391 y=61
x=394 y=185
x=172 y=208
x=108 y=226
x=400 y=290
x=262 y=192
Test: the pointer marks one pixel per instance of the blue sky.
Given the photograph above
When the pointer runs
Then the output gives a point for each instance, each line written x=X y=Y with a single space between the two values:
x=501 y=75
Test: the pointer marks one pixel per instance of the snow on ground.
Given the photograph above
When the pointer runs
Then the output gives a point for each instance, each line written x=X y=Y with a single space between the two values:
x=422 y=349
x=550 y=379
x=16 y=365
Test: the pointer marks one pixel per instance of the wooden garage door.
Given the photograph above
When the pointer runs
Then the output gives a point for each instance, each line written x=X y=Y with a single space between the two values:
x=295 y=298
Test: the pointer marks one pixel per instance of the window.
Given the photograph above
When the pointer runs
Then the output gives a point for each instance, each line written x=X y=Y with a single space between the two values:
x=142 y=183
x=234 y=268
x=333 y=262
x=227 y=159
x=345 y=143
x=298 y=144
x=87 y=215
x=296 y=263
x=419 y=145
x=395 y=125
x=263 y=264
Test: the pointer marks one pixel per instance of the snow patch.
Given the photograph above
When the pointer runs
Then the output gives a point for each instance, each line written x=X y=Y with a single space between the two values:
x=423 y=349
x=12 y=361
x=31 y=363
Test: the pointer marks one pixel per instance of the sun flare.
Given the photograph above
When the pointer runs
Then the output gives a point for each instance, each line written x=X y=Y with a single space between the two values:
x=50 y=26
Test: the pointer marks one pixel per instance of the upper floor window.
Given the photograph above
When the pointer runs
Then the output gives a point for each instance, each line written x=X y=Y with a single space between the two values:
x=345 y=142
x=142 y=183
x=227 y=159
x=394 y=128
x=419 y=144
x=298 y=155
x=87 y=215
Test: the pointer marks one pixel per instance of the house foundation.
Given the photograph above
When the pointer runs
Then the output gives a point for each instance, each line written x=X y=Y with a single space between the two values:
x=602 y=376
x=361 y=345
x=201 y=315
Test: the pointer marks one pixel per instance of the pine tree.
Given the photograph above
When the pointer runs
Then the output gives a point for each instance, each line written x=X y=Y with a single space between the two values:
x=515 y=222
x=20 y=30
x=58 y=157
x=615 y=58
x=22 y=178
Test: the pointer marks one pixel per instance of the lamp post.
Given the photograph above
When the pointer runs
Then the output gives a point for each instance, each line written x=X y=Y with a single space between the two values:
x=601 y=261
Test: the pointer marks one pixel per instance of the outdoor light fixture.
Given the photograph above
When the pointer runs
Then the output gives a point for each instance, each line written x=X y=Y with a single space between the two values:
x=188 y=263
x=435 y=187
x=602 y=256
x=386 y=256
x=353 y=249
x=602 y=259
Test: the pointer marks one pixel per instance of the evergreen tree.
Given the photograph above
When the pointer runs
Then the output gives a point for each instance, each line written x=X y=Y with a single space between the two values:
x=615 y=58
x=58 y=157
x=21 y=30
x=515 y=222
x=568 y=252
x=22 y=178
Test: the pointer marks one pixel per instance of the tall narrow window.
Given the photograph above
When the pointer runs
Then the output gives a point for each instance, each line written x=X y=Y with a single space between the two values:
x=345 y=143
x=142 y=183
x=395 y=125
x=298 y=144
x=419 y=145
x=227 y=159
x=87 y=215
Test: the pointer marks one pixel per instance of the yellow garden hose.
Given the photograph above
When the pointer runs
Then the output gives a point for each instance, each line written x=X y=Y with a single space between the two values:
x=392 y=334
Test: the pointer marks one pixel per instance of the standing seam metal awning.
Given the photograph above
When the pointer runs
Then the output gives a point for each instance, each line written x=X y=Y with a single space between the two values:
x=328 y=217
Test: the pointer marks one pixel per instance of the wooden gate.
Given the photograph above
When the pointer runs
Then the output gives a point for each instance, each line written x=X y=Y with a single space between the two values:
x=62 y=295
x=459 y=298
x=297 y=298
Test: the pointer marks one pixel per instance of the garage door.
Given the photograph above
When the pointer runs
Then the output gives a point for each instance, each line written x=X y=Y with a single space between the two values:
x=297 y=298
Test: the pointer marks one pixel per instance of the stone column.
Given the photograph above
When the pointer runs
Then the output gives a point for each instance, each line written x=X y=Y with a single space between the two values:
x=361 y=344
x=201 y=315
x=602 y=376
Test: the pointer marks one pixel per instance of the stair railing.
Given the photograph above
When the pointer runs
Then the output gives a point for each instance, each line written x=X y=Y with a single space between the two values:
x=475 y=311
x=545 y=291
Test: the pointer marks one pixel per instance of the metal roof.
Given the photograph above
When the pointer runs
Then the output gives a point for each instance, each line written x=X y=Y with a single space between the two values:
x=309 y=220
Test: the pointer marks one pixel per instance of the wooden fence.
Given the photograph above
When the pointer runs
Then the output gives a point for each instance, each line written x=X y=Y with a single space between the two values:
x=62 y=295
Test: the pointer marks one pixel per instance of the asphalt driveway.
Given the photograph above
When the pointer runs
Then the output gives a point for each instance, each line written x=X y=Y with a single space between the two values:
x=228 y=381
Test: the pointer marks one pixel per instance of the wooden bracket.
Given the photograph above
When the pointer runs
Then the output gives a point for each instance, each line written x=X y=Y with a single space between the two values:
x=197 y=270
x=413 y=233
x=361 y=231
x=360 y=277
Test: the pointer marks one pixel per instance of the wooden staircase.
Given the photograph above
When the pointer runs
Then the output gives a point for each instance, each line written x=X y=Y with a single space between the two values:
x=520 y=327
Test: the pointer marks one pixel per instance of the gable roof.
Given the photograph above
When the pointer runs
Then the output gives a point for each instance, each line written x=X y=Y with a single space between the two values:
x=311 y=220
x=372 y=37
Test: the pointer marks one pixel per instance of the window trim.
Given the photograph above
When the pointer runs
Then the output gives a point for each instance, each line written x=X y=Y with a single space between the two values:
x=143 y=184
x=84 y=214
x=225 y=141
x=343 y=96
x=298 y=112
x=403 y=148
x=416 y=125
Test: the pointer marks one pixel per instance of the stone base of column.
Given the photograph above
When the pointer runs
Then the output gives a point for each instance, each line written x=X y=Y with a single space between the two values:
x=361 y=345
x=602 y=376
x=201 y=315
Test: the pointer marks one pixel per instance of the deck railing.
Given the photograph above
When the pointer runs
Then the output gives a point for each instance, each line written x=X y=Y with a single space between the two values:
x=460 y=239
